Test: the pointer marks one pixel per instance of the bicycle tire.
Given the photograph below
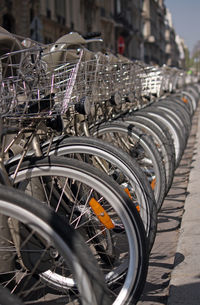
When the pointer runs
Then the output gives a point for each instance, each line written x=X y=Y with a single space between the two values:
x=180 y=115
x=178 y=142
x=162 y=128
x=191 y=100
x=123 y=165
x=176 y=99
x=172 y=116
x=160 y=141
x=181 y=112
x=127 y=133
x=193 y=88
x=135 y=263
x=35 y=227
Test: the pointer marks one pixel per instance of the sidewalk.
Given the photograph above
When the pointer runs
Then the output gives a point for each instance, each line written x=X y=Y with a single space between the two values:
x=168 y=280
x=184 y=287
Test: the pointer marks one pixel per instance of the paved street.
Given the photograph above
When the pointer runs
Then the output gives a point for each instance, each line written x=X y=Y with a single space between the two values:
x=165 y=272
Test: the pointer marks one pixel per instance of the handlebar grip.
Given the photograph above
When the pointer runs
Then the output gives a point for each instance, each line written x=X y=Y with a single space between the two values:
x=91 y=35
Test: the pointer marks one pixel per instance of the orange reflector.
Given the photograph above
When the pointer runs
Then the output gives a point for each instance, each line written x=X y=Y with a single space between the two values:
x=184 y=100
x=127 y=192
x=138 y=207
x=102 y=215
x=153 y=183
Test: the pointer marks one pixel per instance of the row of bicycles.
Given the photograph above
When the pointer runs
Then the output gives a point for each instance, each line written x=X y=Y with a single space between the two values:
x=90 y=142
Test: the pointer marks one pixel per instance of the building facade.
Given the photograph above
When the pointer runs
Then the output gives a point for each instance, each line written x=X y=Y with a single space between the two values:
x=172 y=48
x=138 y=29
x=154 y=31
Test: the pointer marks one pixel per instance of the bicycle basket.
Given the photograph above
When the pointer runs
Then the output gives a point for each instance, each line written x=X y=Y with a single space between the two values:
x=152 y=81
x=28 y=88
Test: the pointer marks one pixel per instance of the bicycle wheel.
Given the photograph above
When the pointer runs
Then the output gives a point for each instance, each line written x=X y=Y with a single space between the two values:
x=118 y=165
x=140 y=147
x=95 y=206
x=33 y=241
x=194 y=90
x=179 y=102
x=160 y=141
x=179 y=113
x=175 y=132
x=172 y=117
x=163 y=130
x=175 y=116
x=191 y=102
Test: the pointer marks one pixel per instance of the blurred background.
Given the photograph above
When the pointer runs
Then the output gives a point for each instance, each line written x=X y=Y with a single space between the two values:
x=137 y=29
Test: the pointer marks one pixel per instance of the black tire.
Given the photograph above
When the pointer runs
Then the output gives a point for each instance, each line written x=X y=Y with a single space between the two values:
x=191 y=102
x=177 y=100
x=175 y=132
x=163 y=129
x=59 y=176
x=161 y=143
x=119 y=166
x=182 y=114
x=41 y=240
x=140 y=147
x=172 y=117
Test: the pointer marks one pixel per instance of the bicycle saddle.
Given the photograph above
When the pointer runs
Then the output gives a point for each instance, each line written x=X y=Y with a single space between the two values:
x=55 y=53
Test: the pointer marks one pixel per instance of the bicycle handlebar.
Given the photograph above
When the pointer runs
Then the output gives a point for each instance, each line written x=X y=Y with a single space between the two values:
x=91 y=35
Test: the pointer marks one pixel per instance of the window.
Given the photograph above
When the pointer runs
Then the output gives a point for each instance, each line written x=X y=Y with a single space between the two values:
x=60 y=11
x=118 y=6
x=48 y=9
x=9 y=23
x=31 y=14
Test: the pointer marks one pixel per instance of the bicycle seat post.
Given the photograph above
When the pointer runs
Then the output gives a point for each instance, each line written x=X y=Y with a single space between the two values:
x=36 y=146
x=86 y=129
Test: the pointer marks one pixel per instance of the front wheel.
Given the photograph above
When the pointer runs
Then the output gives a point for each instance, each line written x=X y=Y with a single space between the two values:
x=119 y=166
x=92 y=202
x=39 y=241
x=141 y=147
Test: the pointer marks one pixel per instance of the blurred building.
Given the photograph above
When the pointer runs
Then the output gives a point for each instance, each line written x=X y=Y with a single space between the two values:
x=183 y=51
x=154 y=31
x=171 y=49
x=138 y=29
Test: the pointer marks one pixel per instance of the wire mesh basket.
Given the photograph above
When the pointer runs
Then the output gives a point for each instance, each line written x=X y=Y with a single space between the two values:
x=181 y=79
x=125 y=84
x=41 y=81
x=152 y=81
x=30 y=87
x=133 y=84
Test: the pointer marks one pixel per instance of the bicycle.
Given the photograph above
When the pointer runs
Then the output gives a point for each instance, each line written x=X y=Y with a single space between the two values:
x=49 y=168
